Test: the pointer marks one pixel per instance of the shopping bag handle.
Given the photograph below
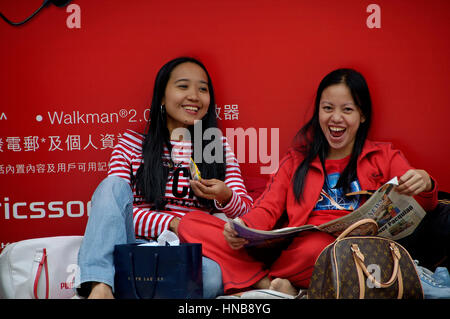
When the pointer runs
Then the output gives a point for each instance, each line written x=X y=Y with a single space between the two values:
x=154 y=276
x=43 y=264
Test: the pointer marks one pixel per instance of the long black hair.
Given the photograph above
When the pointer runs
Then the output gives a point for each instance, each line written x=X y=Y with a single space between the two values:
x=151 y=177
x=311 y=142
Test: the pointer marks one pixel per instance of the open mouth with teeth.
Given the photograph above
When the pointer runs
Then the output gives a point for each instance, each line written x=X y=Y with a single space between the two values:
x=191 y=109
x=336 y=131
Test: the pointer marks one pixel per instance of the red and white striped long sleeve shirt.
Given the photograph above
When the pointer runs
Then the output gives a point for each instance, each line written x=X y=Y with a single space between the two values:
x=126 y=159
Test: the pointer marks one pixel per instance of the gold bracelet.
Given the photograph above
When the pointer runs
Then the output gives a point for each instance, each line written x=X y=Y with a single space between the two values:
x=221 y=205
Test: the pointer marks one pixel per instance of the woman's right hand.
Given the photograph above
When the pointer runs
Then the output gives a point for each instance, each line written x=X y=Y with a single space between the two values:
x=413 y=182
x=231 y=237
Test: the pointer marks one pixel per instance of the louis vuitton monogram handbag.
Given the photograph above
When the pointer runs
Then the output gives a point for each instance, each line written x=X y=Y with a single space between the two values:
x=364 y=267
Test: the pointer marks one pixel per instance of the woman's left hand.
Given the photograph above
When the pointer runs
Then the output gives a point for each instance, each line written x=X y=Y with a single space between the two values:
x=413 y=182
x=212 y=189
x=231 y=236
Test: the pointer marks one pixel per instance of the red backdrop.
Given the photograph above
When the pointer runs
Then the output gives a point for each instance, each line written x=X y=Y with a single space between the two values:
x=266 y=58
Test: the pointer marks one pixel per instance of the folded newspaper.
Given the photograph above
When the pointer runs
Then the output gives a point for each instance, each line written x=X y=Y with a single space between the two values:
x=397 y=216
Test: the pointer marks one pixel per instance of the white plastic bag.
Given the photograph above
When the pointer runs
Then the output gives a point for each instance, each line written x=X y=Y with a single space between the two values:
x=167 y=238
x=40 y=268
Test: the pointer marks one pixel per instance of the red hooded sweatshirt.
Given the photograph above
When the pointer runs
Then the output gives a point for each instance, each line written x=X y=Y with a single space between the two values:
x=377 y=164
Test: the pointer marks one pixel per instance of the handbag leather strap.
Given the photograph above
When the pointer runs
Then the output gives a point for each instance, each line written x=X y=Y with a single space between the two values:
x=353 y=226
x=362 y=283
x=42 y=264
x=362 y=269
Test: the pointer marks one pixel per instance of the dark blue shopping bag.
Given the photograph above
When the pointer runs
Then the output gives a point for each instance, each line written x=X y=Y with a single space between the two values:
x=158 y=272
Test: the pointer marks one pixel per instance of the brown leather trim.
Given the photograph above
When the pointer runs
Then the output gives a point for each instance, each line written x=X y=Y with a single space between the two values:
x=337 y=271
x=400 y=284
x=359 y=258
x=361 y=279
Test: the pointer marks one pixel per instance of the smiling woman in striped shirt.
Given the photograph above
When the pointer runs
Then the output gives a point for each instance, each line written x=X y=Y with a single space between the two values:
x=149 y=189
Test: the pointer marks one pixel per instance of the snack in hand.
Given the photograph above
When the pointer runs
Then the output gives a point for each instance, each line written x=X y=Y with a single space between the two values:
x=195 y=173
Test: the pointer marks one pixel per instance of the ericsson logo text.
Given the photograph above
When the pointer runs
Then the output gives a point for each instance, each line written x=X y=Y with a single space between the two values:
x=54 y=209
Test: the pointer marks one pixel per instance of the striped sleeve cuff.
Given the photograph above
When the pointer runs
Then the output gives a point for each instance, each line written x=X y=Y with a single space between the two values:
x=232 y=209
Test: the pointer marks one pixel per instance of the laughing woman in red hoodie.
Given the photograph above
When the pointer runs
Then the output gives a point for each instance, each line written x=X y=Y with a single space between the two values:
x=331 y=157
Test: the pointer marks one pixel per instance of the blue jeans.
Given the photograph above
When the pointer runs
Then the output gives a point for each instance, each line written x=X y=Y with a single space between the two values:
x=110 y=223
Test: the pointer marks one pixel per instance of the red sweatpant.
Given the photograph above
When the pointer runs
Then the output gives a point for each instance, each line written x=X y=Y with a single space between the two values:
x=239 y=270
